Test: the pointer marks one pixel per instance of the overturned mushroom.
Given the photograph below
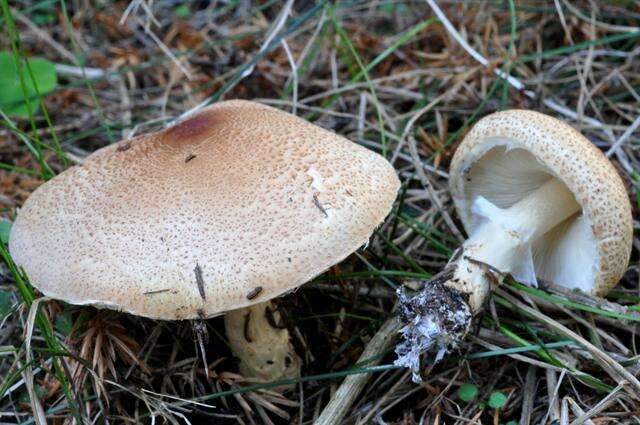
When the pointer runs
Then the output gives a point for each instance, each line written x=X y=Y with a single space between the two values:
x=222 y=212
x=539 y=201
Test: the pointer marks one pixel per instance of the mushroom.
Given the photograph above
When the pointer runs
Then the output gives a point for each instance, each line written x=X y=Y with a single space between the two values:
x=539 y=202
x=222 y=212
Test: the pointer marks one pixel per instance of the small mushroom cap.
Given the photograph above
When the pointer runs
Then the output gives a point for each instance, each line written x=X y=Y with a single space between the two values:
x=509 y=154
x=234 y=206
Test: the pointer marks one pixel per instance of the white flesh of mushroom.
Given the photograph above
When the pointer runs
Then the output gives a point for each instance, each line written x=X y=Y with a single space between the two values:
x=504 y=240
x=567 y=254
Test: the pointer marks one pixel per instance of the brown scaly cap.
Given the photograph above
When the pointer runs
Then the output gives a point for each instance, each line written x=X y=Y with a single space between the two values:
x=233 y=206
x=568 y=156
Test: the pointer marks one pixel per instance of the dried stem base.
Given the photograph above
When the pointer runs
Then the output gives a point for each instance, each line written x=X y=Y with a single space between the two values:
x=439 y=316
x=435 y=319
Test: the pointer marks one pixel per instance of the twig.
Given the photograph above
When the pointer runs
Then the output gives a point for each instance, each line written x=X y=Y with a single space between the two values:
x=582 y=298
x=294 y=72
x=553 y=386
x=602 y=404
x=44 y=36
x=605 y=26
x=375 y=409
x=280 y=21
x=514 y=82
x=89 y=73
x=612 y=367
x=415 y=156
x=528 y=395
x=165 y=49
x=577 y=410
x=36 y=406
x=628 y=132
x=346 y=394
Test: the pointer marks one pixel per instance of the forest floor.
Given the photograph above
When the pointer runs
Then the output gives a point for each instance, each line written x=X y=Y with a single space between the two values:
x=406 y=79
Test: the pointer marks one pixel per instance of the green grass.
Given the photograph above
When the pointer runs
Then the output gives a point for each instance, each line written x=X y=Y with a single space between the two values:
x=46 y=330
x=344 y=38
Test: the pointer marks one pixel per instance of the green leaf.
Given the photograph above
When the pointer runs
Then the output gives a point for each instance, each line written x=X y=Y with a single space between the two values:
x=467 y=392
x=497 y=400
x=5 y=303
x=12 y=98
x=64 y=323
x=5 y=230
x=183 y=11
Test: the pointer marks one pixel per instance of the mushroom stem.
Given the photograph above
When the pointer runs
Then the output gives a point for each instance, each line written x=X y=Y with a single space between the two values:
x=501 y=244
x=262 y=344
x=440 y=314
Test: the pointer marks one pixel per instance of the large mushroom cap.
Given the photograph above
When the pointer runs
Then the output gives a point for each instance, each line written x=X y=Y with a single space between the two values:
x=231 y=207
x=508 y=155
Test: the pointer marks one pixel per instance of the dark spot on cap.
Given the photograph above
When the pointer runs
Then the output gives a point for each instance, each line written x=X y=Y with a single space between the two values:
x=192 y=130
x=189 y=157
